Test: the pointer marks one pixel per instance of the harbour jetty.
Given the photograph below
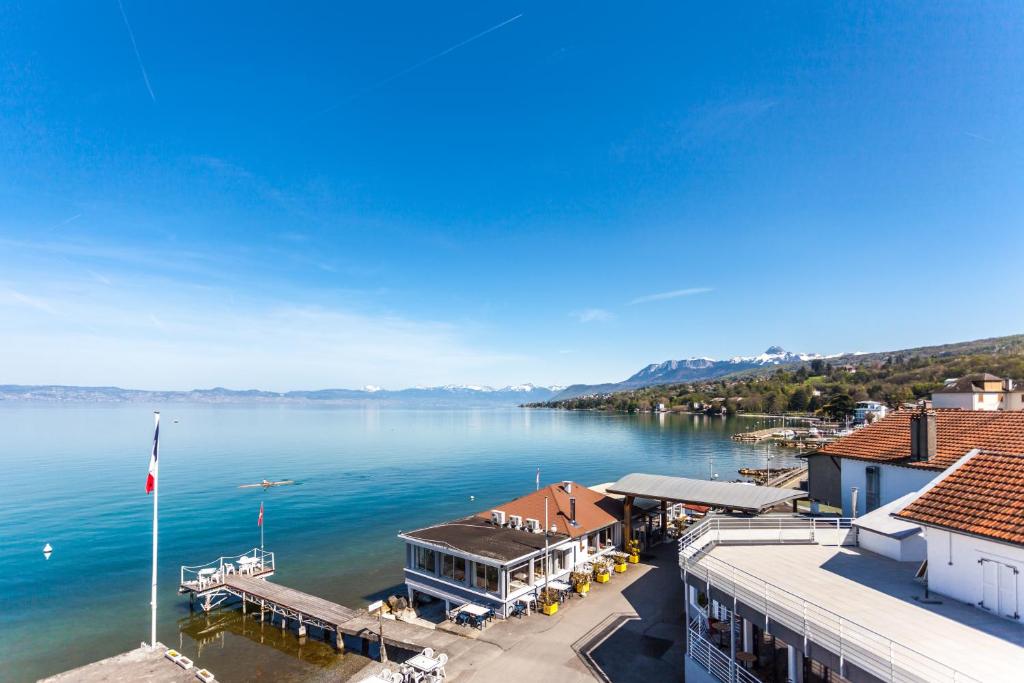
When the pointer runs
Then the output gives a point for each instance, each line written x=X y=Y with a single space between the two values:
x=243 y=578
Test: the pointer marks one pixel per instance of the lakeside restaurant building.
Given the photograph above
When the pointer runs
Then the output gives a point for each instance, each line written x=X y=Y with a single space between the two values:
x=496 y=557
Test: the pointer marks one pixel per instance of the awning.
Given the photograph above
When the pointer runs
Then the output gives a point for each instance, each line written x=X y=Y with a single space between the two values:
x=719 y=494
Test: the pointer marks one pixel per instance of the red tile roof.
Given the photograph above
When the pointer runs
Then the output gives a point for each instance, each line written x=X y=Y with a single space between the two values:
x=593 y=510
x=957 y=432
x=984 y=497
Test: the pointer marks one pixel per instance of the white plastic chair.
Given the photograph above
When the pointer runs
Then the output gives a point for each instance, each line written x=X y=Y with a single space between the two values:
x=442 y=659
x=428 y=652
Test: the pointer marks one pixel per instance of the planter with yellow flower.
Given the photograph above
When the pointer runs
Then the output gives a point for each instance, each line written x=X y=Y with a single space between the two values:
x=547 y=600
x=634 y=551
x=601 y=573
x=580 y=582
x=619 y=562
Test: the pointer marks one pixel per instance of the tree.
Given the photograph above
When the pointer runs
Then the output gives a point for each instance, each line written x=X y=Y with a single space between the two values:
x=817 y=367
x=799 y=399
x=839 y=406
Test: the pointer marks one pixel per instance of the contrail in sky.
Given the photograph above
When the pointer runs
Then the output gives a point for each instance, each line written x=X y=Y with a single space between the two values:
x=131 y=34
x=424 y=62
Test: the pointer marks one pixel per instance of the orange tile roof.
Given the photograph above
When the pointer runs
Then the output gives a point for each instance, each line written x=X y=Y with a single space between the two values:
x=593 y=510
x=984 y=497
x=957 y=432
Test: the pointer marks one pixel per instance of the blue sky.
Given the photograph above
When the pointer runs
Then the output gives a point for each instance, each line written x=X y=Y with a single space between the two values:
x=342 y=194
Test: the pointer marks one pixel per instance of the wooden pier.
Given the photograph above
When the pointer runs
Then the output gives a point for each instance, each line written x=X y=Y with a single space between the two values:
x=221 y=580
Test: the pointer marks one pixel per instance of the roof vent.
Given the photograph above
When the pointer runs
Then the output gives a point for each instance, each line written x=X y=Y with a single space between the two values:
x=572 y=511
x=567 y=485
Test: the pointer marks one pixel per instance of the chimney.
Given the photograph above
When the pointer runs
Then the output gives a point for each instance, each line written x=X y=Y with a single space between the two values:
x=572 y=510
x=567 y=485
x=922 y=435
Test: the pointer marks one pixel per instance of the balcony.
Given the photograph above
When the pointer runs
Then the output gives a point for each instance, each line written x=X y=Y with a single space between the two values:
x=860 y=614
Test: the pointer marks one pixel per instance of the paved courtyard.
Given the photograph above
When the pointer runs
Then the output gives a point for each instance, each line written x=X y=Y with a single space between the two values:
x=630 y=629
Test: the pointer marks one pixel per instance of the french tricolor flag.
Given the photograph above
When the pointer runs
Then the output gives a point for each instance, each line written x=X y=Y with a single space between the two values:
x=151 y=477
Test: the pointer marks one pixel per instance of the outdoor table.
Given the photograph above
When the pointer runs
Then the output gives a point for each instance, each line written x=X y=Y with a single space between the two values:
x=747 y=659
x=721 y=628
x=375 y=679
x=423 y=663
x=246 y=563
x=475 y=610
x=209 y=571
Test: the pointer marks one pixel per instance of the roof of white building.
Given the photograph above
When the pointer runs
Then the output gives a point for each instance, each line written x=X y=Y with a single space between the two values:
x=881 y=521
x=718 y=494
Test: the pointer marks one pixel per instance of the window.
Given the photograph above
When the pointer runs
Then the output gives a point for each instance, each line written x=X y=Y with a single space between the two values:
x=873 y=498
x=454 y=567
x=519 y=577
x=486 y=577
x=424 y=560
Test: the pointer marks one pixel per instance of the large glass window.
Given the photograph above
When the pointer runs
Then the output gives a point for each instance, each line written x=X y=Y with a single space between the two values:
x=454 y=568
x=424 y=560
x=519 y=577
x=486 y=578
x=874 y=497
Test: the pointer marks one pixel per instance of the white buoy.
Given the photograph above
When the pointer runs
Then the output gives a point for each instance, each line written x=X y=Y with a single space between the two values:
x=472 y=498
x=47 y=548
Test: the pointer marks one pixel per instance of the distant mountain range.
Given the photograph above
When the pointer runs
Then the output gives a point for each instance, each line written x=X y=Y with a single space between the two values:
x=450 y=395
x=694 y=369
x=697 y=369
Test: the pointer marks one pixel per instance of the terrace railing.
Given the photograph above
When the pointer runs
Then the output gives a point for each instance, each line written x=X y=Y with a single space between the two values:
x=713 y=660
x=851 y=642
x=194 y=576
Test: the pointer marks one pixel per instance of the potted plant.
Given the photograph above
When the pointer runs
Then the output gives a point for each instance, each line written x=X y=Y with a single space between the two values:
x=634 y=551
x=601 y=573
x=547 y=600
x=619 y=561
x=580 y=582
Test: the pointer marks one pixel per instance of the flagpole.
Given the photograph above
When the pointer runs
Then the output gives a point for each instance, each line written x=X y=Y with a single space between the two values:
x=262 y=522
x=156 y=497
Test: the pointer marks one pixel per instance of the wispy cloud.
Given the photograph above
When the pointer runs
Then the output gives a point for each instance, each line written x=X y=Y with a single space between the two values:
x=13 y=296
x=422 y=63
x=674 y=294
x=979 y=137
x=591 y=315
x=138 y=57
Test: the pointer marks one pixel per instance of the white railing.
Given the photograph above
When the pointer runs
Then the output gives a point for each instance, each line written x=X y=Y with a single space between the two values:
x=858 y=645
x=255 y=561
x=714 y=661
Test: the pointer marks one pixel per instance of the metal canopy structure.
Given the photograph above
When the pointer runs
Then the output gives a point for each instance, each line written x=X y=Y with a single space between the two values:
x=719 y=494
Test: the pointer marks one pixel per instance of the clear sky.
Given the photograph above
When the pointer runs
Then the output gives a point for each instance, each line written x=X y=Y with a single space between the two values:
x=288 y=195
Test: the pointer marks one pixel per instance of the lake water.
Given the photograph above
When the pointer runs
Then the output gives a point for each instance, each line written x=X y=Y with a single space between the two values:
x=74 y=477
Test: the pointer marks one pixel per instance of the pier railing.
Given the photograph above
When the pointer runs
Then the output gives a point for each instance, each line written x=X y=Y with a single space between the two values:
x=255 y=562
x=851 y=642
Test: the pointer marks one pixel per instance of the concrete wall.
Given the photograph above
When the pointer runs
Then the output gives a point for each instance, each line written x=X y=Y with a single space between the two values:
x=893 y=482
x=824 y=481
x=954 y=569
x=909 y=549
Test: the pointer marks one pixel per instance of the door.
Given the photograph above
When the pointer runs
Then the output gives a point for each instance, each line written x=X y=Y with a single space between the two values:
x=999 y=588
x=1008 y=591
x=989 y=585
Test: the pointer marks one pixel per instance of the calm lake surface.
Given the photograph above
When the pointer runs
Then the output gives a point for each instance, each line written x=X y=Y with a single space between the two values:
x=74 y=477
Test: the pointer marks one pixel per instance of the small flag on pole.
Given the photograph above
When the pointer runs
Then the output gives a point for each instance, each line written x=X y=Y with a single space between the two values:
x=538 y=479
x=259 y=522
x=151 y=477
